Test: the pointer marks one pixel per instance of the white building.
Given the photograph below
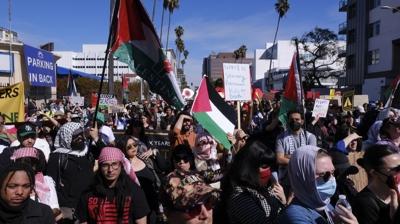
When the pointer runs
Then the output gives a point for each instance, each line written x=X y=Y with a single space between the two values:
x=373 y=44
x=281 y=60
x=91 y=60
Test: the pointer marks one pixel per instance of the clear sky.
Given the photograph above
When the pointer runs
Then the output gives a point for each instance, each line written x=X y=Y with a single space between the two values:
x=210 y=25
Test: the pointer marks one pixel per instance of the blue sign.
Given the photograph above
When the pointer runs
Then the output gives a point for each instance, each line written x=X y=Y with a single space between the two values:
x=40 y=66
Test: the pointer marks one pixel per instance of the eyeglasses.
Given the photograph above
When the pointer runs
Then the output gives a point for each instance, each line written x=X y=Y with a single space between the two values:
x=131 y=146
x=114 y=166
x=184 y=159
x=326 y=175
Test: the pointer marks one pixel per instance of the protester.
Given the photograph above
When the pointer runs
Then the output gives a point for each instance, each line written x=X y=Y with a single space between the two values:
x=17 y=182
x=168 y=119
x=206 y=160
x=250 y=194
x=288 y=142
x=106 y=133
x=240 y=138
x=114 y=197
x=71 y=167
x=379 y=201
x=390 y=133
x=184 y=131
x=147 y=176
x=146 y=120
x=311 y=177
x=26 y=135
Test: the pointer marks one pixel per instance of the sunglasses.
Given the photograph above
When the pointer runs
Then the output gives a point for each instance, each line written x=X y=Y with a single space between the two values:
x=325 y=175
x=184 y=159
x=204 y=142
x=195 y=210
x=131 y=146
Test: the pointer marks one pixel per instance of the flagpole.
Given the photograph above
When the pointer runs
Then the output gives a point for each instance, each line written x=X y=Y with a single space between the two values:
x=113 y=17
x=301 y=79
x=238 y=112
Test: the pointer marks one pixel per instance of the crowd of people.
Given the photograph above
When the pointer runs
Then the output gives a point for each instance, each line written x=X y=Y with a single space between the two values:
x=68 y=164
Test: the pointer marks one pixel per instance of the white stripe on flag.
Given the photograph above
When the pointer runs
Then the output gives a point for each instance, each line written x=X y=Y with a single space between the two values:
x=219 y=118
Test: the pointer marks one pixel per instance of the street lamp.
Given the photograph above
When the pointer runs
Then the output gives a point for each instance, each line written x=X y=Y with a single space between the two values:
x=394 y=9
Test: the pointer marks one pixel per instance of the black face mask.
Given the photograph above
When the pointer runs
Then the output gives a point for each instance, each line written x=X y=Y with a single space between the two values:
x=294 y=126
x=78 y=144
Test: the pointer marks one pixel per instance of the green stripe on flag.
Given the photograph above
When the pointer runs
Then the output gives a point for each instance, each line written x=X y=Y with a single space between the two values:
x=213 y=128
x=286 y=106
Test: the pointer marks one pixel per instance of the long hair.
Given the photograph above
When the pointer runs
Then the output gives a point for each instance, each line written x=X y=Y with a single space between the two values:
x=121 y=190
x=14 y=167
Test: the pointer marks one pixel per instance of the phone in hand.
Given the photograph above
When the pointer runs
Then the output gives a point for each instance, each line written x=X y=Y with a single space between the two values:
x=275 y=177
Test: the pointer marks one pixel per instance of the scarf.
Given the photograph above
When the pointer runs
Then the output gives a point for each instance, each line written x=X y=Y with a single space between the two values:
x=63 y=139
x=293 y=144
x=12 y=215
x=41 y=187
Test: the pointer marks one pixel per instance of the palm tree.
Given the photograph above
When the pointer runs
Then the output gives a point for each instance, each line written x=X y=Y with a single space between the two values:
x=281 y=6
x=180 y=46
x=242 y=52
x=165 y=6
x=179 y=31
x=173 y=4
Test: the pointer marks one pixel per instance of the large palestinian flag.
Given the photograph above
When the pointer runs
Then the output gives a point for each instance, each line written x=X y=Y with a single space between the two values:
x=293 y=95
x=213 y=113
x=134 y=41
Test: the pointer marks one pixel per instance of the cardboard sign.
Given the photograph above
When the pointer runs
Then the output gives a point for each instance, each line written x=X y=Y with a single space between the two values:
x=348 y=101
x=12 y=103
x=237 y=82
x=77 y=100
x=108 y=100
x=320 y=108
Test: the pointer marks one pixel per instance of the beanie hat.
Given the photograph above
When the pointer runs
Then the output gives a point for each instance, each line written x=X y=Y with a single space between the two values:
x=25 y=152
x=115 y=154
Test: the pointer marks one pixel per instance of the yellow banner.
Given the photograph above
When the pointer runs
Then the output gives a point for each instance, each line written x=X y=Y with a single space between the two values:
x=12 y=103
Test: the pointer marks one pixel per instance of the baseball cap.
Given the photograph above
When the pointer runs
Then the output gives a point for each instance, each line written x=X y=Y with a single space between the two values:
x=26 y=129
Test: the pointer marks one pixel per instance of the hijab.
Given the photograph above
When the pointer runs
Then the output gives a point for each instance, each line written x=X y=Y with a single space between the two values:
x=302 y=176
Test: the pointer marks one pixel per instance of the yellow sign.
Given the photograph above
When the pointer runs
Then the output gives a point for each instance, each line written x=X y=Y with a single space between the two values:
x=331 y=93
x=347 y=103
x=348 y=100
x=12 y=103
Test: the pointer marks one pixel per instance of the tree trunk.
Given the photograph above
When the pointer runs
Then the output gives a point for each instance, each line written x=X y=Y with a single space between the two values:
x=271 y=85
x=162 y=24
x=169 y=26
x=154 y=10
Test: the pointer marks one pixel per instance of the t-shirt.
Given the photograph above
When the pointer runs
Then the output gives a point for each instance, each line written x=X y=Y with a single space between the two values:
x=369 y=209
x=94 y=208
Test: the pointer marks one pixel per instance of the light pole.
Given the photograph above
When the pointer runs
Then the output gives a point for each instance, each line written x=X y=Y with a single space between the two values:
x=394 y=9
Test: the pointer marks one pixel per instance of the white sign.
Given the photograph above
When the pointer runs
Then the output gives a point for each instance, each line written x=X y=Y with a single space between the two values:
x=320 y=108
x=237 y=82
x=77 y=100
x=108 y=100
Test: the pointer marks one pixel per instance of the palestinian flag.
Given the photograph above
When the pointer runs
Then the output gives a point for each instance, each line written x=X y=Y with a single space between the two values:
x=293 y=95
x=213 y=113
x=134 y=41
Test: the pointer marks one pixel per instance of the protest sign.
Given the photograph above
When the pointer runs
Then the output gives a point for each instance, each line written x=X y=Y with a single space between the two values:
x=12 y=103
x=237 y=82
x=77 y=100
x=320 y=108
x=159 y=139
x=108 y=100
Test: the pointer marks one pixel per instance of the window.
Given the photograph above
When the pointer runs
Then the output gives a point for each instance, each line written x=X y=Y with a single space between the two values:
x=373 y=57
x=351 y=36
x=374 y=29
x=350 y=61
x=374 y=3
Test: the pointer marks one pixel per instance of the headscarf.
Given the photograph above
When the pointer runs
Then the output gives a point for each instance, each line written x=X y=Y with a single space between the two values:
x=302 y=176
x=62 y=142
x=115 y=154
x=41 y=187
x=205 y=152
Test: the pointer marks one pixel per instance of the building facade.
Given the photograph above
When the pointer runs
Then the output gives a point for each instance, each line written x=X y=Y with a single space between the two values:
x=373 y=44
x=281 y=55
x=213 y=64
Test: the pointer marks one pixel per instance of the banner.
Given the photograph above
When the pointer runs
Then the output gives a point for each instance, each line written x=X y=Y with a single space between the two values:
x=158 y=139
x=237 y=82
x=12 y=103
x=40 y=66
x=348 y=100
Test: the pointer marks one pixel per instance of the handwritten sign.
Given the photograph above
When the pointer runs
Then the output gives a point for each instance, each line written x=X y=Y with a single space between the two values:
x=237 y=82
x=320 y=108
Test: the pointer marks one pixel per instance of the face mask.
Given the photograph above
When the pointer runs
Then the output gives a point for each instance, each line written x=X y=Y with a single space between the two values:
x=295 y=126
x=265 y=175
x=326 y=189
x=78 y=145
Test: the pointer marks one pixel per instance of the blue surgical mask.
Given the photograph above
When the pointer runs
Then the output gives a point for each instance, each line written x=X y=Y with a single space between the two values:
x=326 y=189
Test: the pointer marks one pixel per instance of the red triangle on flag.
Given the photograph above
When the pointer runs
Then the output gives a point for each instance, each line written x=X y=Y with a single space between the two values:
x=202 y=100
